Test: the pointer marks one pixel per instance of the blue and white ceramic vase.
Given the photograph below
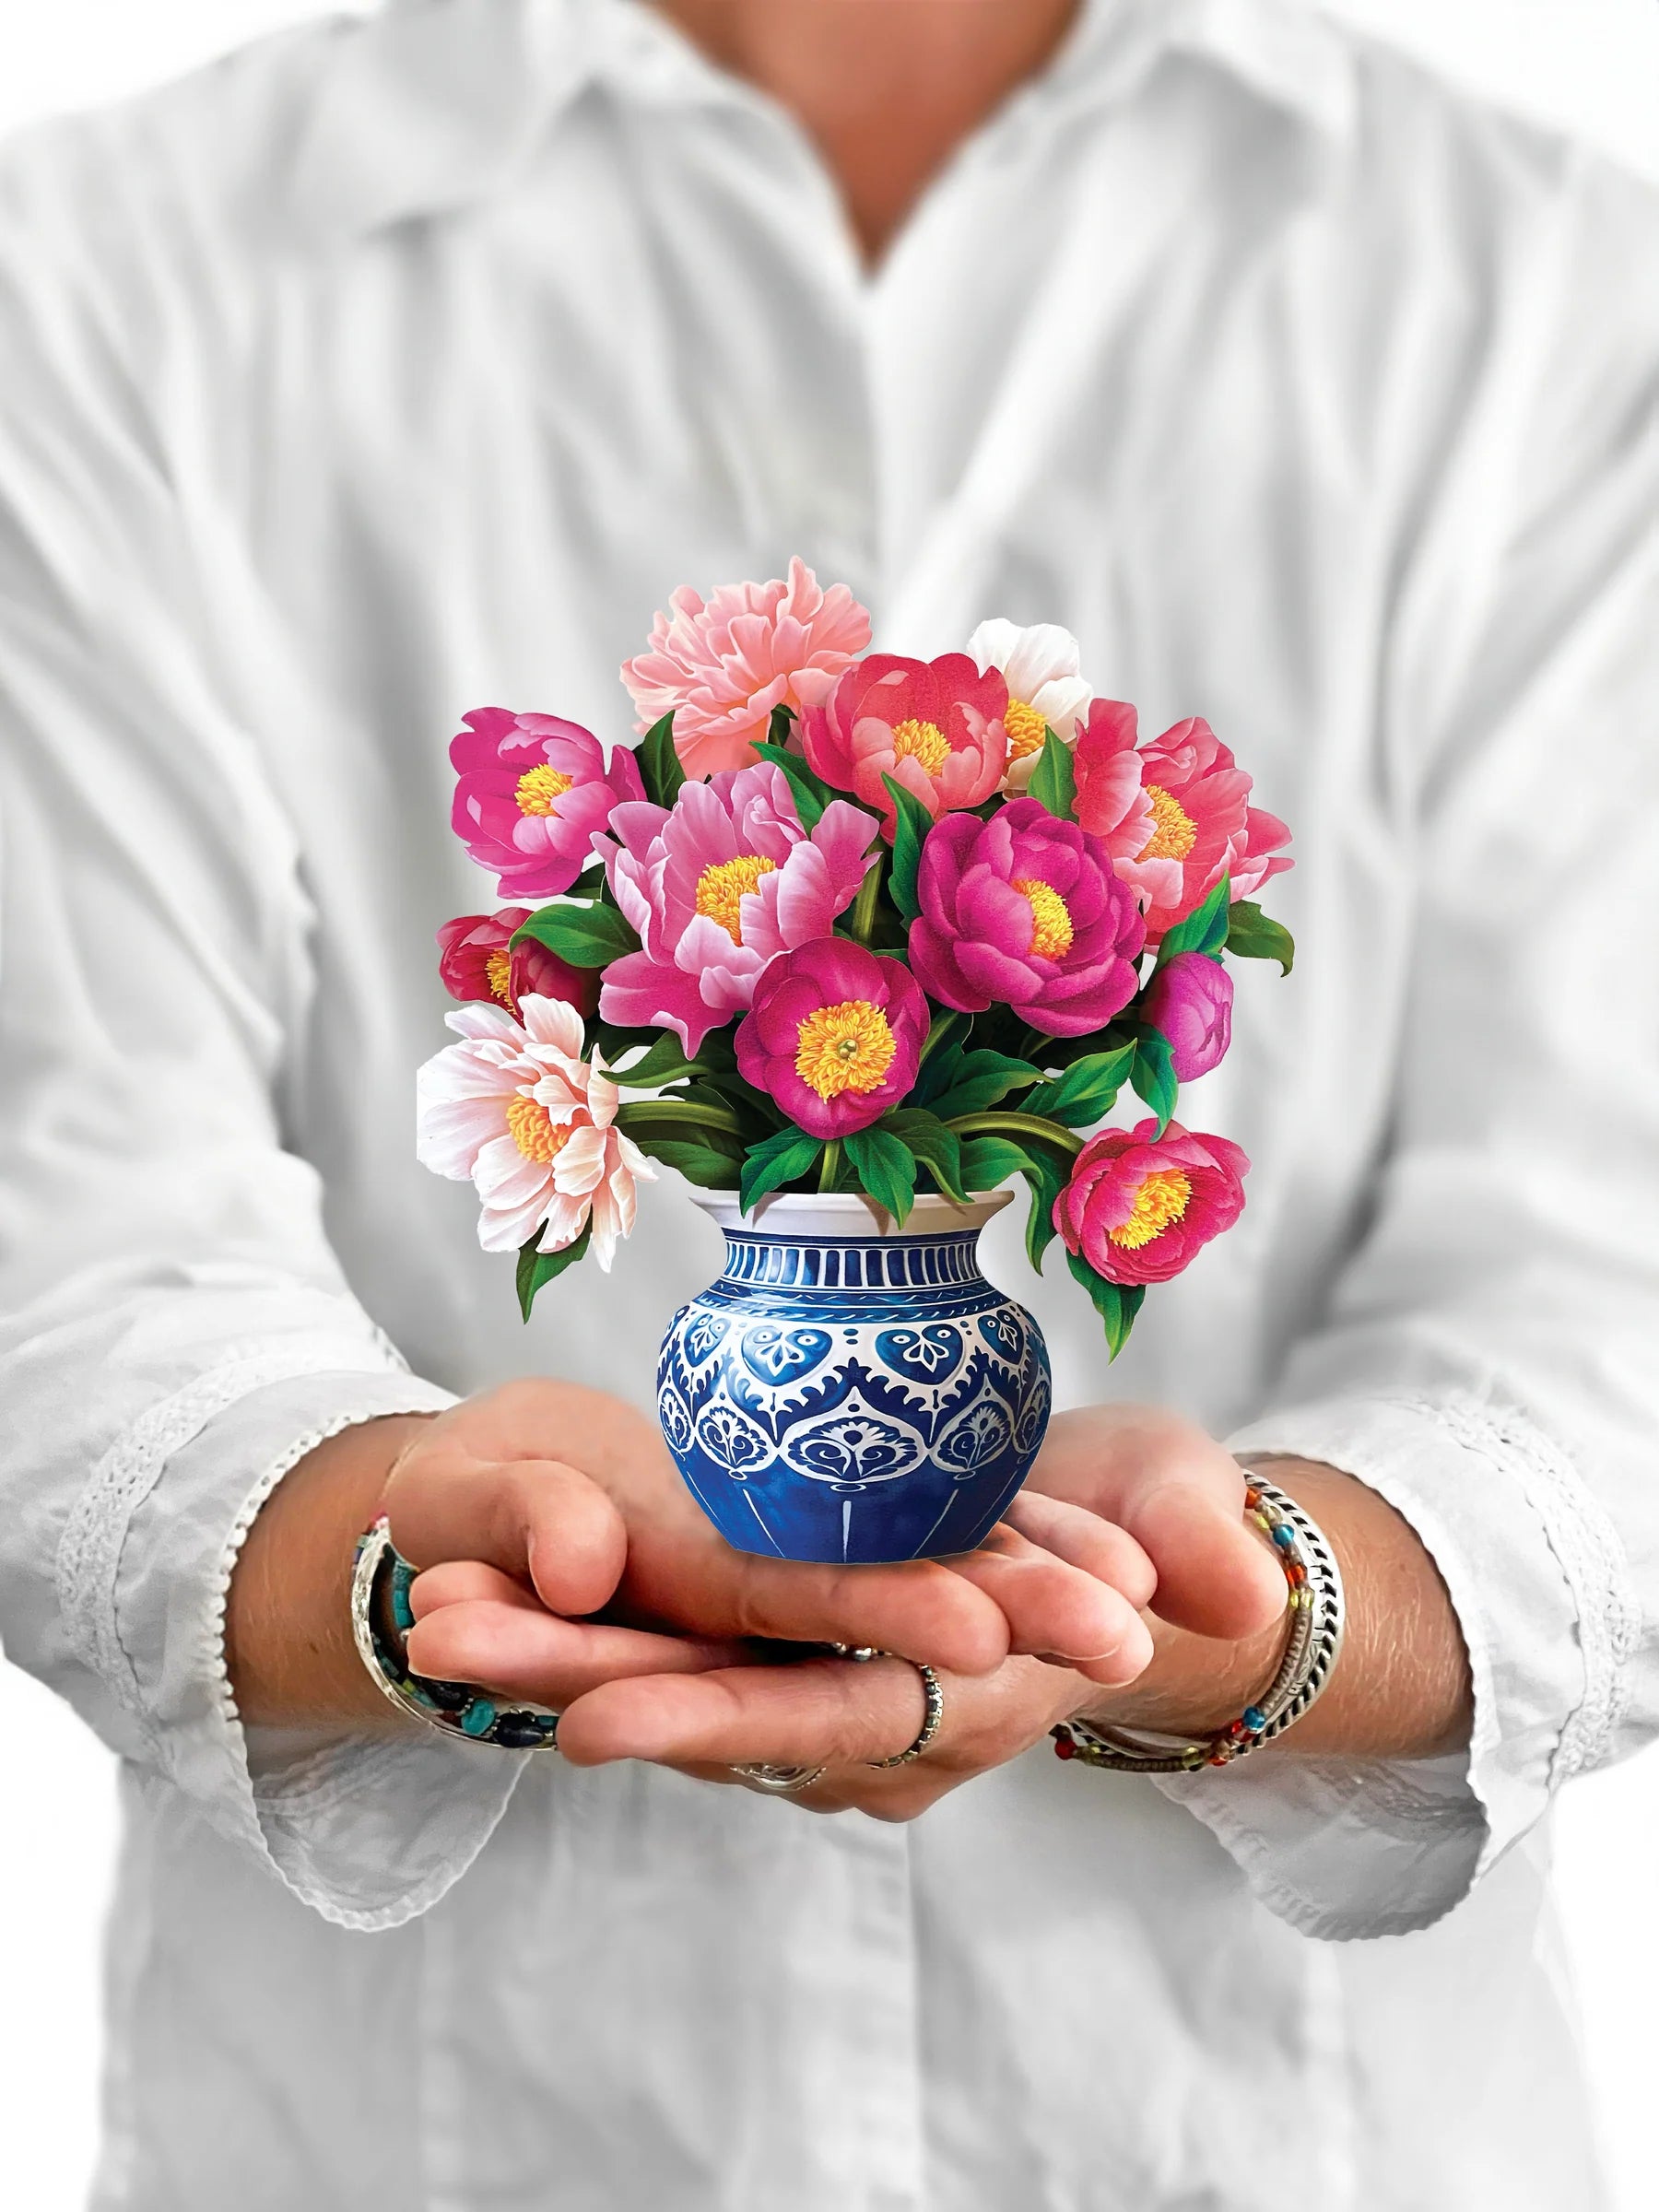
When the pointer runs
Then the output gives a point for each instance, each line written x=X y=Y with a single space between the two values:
x=849 y=1390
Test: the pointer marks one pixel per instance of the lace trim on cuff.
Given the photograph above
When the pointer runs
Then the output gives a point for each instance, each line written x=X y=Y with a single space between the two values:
x=89 y=1553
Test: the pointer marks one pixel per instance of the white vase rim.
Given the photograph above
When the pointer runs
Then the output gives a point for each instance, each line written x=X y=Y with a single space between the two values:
x=848 y=1214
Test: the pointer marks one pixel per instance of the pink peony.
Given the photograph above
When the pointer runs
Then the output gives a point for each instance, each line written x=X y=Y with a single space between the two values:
x=935 y=727
x=1190 y=999
x=835 y=1036
x=533 y=791
x=1202 y=824
x=476 y=964
x=721 y=665
x=719 y=887
x=1024 y=911
x=1139 y=1206
x=515 y=1108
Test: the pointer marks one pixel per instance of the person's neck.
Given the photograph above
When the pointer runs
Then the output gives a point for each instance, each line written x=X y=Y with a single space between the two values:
x=886 y=88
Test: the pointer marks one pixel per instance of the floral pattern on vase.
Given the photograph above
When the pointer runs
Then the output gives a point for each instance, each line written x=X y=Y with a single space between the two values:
x=848 y=1390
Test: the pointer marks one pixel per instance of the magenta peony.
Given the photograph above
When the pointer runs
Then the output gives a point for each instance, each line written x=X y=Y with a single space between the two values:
x=475 y=963
x=1024 y=911
x=721 y=665
x=935 y=726
x=1139 y=1206
x=1190 y=999
x=835 y=1035
x=532 y=790
x=716 y=889
x=515 y=1108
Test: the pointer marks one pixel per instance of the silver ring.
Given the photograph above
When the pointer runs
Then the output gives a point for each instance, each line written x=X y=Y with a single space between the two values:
x=934 y=1713
x=780 y=1780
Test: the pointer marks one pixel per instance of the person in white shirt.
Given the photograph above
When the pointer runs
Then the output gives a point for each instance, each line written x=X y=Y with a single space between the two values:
x=398 y=365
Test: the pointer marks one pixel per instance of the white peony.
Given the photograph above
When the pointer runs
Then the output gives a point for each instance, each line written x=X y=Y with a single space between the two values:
x=1040 y=665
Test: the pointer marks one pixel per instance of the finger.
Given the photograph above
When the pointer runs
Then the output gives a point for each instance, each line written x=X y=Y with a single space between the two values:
x=1055 y=1610
x=821 y=1712
x=1181 y=1495
x=921 y=1610
x=460 y=1582
x=1084 y=1539
x=526 y=1653
x=534 y=1519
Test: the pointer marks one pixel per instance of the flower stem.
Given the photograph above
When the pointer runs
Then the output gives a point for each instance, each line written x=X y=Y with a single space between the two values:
x=832 y=1163
x=869 y=890
x=1017 y=1124
x=676 y=1112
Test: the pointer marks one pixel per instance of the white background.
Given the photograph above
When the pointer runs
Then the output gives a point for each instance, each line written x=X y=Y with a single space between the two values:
x=1591 y=65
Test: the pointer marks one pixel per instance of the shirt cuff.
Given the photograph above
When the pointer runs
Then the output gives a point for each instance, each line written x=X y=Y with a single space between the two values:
x=367 y=1831
x=1538 y=1580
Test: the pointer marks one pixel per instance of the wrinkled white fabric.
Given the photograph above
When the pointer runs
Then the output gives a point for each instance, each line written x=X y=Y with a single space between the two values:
x=394 y=369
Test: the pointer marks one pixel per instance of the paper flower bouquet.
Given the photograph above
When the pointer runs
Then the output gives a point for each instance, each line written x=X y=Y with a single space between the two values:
x=850 y=941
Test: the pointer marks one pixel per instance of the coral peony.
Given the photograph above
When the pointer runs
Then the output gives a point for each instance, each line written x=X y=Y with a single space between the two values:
x=935 y=726
x=835 y=1035
x=515 y=1108
x=721 y=665
x=532 y=790
x=1040 y=665
x=474 y=962
x=1190 y=999
x=1114 y=803
x=1024 y=911
x=716 y=889
x=1139 y=1206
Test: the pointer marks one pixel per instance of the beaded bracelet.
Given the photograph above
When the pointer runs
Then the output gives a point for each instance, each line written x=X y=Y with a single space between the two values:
x=1317 y=1617
x=381 y=1577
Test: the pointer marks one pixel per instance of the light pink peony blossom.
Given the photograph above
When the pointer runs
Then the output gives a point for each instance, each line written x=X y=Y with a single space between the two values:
x=719 y=665
x=515 y=1108
x=717 y=888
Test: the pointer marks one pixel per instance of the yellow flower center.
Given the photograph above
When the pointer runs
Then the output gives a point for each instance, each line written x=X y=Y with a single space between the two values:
x=1051 y=921
x=1026 y=729
x=924 y=741
x=539 y=787
x=497 y=974
x=533 y=1129
x=845 y=1047
x=720 y=890
x=1174 y=832
x=1161 y=1200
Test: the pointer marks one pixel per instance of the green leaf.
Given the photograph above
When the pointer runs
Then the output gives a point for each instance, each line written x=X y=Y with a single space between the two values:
x=811 y=795
x=1045 y=1179
x=588 y=936
x=941 y=1057
x=911 y=823
x=665 y=1062
x=885 y=1168
x=536 y=1268
x=1086 y=1092
x=988 y=1161
x=784 y=1157
x=678 y=1114
x=704 y=1159
x=1203 y=930
x=660 y=768
x=939 y=1149
x=980 y=1079
x=1153 y=1074
x=1254 y=936
x=1054 y=781
x=1116 y=1303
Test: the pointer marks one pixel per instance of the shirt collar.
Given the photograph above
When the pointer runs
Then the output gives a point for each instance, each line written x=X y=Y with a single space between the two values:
x=430 y=105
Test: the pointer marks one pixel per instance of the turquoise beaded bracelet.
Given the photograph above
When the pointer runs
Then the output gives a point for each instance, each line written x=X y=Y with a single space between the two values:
x=1316 y=1613
x=381 y=1616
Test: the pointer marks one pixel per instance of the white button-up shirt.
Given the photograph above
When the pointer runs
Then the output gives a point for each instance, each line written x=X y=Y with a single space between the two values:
x=396 y=367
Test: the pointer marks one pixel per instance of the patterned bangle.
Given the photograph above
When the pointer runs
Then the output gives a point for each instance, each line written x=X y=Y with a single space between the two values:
x=1314 y=1639
x=381 y=1577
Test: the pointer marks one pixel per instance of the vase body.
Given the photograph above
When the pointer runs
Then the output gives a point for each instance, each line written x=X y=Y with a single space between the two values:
x=846 y=1390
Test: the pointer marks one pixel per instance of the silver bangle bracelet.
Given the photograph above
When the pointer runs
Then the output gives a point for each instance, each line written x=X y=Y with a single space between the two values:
x=1317 y=1617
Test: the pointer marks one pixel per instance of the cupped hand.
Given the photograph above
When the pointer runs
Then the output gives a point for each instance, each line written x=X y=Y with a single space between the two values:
x=572 y=1496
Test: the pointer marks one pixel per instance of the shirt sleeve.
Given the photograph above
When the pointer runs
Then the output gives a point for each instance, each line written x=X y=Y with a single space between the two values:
x=1488 y=1361
x=175 y=1331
